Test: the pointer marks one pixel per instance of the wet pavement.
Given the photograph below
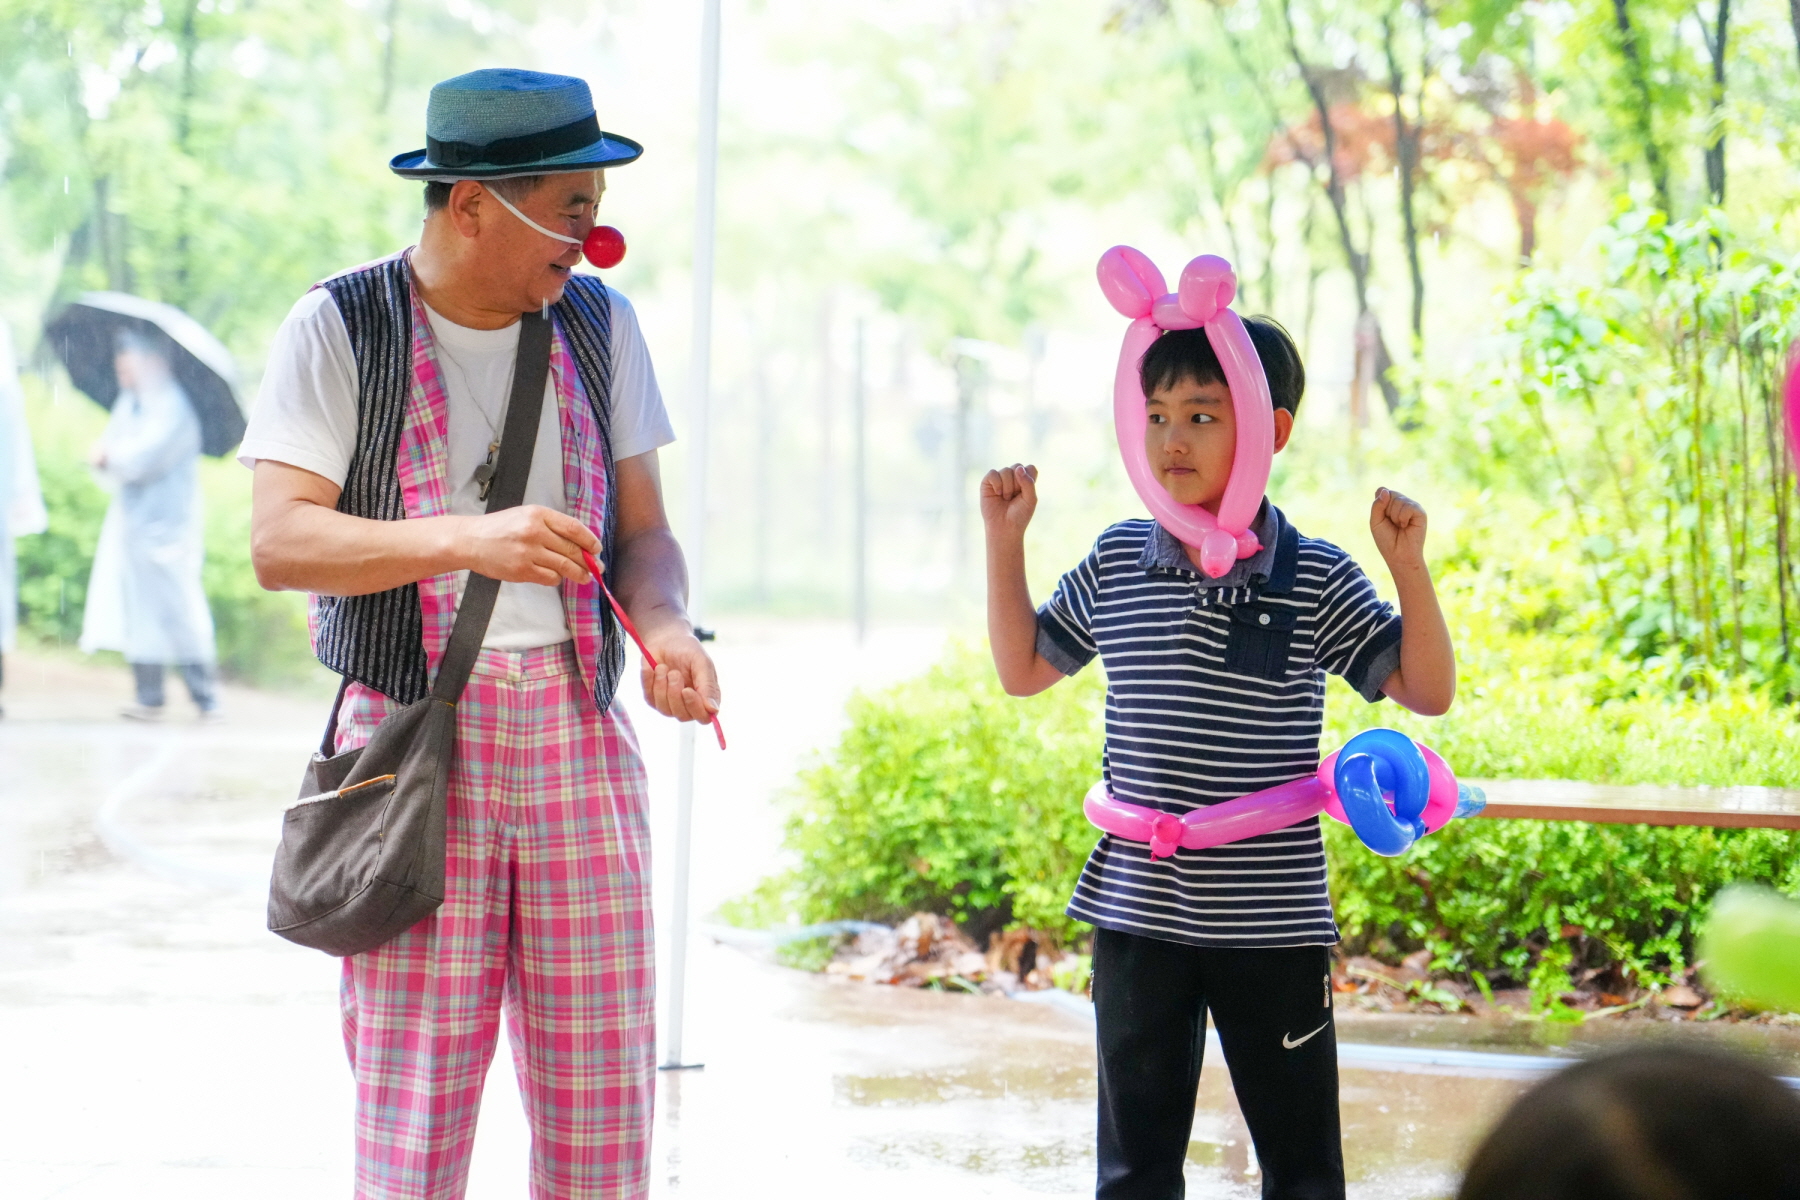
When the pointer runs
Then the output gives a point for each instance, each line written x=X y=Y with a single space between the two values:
x=159 y=1043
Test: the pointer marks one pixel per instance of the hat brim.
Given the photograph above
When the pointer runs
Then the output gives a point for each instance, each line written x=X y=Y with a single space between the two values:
x=612 y=150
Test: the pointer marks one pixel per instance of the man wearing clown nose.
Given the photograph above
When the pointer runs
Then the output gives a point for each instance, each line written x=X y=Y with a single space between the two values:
x=1217 y=622
x=375 y=442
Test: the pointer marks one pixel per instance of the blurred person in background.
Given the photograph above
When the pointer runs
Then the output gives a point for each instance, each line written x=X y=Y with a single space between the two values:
x=1652 y=1123
x=21 y=502
x=145 y=597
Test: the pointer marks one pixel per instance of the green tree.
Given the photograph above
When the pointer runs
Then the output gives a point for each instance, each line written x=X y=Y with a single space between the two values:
x=220 y=157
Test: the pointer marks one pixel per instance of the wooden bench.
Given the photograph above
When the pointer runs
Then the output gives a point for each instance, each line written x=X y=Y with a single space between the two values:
x=1719 y=807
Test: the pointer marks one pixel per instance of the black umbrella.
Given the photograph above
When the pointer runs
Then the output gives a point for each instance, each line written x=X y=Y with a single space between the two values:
x=84 y=336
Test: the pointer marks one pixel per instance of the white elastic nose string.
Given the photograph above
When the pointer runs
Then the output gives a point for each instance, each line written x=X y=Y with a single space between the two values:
x=561 y=237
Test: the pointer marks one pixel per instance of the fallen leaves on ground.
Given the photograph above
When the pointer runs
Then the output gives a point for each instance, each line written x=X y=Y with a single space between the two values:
x=927 y=950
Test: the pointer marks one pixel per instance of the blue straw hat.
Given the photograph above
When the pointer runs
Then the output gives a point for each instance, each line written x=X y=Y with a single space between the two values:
x=501 y=123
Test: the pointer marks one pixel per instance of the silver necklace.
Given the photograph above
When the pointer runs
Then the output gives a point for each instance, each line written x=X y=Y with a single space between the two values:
x=484 y=474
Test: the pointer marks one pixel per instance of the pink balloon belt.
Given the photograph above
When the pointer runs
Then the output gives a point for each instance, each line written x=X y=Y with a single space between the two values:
x=1388 y=788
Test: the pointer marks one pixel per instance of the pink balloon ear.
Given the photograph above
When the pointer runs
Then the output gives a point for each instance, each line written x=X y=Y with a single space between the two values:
x=1208 y=285
x=1130 y=281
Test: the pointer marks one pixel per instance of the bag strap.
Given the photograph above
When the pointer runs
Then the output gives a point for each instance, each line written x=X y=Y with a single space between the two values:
x=518 y=438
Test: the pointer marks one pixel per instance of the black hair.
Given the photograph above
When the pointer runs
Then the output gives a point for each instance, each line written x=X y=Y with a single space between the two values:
x=1187 y=354
x=1652 y=1123
x=515 y=189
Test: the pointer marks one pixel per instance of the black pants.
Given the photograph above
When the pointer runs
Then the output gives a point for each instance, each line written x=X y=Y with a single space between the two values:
x=197 y=676
x=1272 y=1010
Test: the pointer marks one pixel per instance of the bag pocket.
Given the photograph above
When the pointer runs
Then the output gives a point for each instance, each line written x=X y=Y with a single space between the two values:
x=329 y=846
x=1259 y=640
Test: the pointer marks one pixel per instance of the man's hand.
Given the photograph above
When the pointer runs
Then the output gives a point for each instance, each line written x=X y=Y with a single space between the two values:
x=1398 y=526
x=650 y=580
x=528 y=544
x=1008 y=499
x=684 y=684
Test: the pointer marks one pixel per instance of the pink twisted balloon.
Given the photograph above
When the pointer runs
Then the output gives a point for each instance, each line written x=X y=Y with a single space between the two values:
x=1257 y=813
x=1136 y=288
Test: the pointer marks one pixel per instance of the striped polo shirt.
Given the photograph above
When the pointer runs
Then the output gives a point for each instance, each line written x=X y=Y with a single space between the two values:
x=1216 y=688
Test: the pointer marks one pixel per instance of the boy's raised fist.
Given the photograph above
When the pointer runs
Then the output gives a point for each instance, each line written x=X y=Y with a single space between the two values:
x=1398 y=525
x=1009 y=497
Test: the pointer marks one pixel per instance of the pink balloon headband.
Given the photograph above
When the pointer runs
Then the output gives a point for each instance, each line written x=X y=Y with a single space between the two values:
x=1136 y=288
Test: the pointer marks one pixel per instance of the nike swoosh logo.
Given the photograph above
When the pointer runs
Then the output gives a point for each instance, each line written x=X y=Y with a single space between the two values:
x=1290 y=1045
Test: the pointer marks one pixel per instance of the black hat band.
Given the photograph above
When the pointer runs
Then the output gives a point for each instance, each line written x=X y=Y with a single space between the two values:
x=517 y=151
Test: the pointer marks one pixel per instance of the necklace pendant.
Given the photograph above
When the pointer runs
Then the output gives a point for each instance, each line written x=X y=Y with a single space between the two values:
x=484 y=474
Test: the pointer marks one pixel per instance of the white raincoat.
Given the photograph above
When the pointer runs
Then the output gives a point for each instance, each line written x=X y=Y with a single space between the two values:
x=21 y=501
x=145 y=596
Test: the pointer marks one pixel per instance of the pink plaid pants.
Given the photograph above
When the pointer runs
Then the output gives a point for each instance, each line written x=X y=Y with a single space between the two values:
x=547 y=914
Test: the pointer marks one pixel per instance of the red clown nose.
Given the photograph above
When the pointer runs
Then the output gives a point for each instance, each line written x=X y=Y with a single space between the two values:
x=604 y=247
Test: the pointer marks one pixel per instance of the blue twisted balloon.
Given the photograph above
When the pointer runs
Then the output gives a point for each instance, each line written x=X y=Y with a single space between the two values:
x=1377 y=761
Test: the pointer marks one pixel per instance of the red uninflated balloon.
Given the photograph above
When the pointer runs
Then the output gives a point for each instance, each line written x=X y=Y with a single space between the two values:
x=604 y=247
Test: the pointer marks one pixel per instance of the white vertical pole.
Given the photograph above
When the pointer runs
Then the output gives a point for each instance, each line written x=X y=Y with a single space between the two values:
x=706 y=148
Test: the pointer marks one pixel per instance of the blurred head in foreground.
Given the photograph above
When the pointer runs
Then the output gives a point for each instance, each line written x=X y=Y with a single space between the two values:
x=1657 y=1123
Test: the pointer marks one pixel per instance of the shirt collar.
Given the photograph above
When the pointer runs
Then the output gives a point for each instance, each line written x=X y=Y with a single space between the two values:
x=1164 y=552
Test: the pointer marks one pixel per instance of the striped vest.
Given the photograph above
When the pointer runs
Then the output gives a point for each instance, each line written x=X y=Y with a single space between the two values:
x=378 y=639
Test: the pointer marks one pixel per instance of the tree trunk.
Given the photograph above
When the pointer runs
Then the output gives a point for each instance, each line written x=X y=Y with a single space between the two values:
x=184 y=134
x=1640 y=85
x=391 y=25
x=1268 y=241
x=1526 y=212
x=1716 y=44
x=1356 y=260
x=1406 y=150
x=1794 y=18
x=1222 y=192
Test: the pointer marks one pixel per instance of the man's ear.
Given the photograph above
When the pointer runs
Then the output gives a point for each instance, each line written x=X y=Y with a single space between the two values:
x=1284 y=428
x=467 y=196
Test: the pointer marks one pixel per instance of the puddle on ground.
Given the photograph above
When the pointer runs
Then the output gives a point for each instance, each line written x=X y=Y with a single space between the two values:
x=833 y=1087
x=1028 y=1084
x=1405 y=1135
x=1777 y=1045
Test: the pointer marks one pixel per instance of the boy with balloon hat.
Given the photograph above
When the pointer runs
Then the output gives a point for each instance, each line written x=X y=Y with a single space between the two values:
x=374 y=442
x=1217 y=622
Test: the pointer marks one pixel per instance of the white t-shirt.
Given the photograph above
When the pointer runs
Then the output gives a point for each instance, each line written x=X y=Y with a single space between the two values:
x=305 y=416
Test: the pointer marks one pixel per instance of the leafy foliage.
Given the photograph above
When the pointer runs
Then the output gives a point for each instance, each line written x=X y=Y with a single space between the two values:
x=1537 y=706
x=948 y=796
x=1529 y=900
x=220 y=157
x=1654 y=396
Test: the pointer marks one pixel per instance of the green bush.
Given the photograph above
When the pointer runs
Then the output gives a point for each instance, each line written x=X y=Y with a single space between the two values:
x=53 y=566
x=1524 y=901
x=261 y=635
x=947 y=795
x=1536 y=705
x=1499 y=896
